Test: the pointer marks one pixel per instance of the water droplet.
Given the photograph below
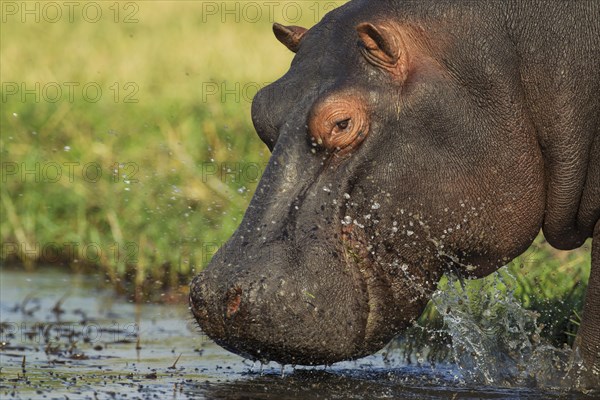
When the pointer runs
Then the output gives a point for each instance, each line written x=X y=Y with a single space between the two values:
x=355 y=222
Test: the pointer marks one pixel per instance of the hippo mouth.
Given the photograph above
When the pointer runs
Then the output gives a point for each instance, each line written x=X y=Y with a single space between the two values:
x=373 y=280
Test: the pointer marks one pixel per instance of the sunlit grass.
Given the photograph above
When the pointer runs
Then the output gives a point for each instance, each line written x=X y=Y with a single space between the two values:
x=156 y=173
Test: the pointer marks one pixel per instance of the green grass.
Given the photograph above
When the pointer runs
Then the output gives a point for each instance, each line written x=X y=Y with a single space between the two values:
x=171 y=201
x=157 y=212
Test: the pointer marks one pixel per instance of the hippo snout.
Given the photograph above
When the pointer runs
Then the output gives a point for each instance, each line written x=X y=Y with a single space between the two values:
x=270 y=310
x=223 y=308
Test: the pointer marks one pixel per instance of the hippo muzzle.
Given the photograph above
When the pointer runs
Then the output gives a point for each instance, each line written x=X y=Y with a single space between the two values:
x=271 y=305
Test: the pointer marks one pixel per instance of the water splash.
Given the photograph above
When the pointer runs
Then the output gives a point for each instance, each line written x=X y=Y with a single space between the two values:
x=496 y=341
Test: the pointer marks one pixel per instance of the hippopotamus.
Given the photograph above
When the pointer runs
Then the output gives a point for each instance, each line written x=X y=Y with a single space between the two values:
x=409 y=139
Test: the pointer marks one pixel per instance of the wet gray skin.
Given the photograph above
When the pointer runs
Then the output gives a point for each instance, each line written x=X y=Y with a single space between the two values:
x=403 y=144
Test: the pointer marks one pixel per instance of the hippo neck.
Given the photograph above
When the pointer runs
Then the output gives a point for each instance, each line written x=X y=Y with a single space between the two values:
x=558 y=65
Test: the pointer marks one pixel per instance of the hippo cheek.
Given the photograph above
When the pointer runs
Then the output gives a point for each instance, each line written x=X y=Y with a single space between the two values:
x=292 y=313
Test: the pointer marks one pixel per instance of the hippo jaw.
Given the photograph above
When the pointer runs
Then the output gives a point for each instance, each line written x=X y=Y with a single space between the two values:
x=322 y=316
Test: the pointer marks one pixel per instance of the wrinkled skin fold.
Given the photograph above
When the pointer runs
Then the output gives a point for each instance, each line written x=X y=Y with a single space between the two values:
x=409 y=138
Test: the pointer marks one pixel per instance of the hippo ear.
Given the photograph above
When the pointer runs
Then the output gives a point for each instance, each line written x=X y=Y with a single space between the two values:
x=290 y=36
x=383 y=47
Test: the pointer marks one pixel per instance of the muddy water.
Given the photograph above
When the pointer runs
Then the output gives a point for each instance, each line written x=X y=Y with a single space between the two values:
x=62 y=337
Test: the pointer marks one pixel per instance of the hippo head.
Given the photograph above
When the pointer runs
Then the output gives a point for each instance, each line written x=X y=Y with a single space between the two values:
x=377 y=179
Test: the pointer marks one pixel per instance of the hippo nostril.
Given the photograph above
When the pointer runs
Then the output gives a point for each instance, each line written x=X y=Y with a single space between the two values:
x=233 y=299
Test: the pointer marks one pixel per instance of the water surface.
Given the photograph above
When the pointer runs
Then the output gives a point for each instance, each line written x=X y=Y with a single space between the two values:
x=62 y=337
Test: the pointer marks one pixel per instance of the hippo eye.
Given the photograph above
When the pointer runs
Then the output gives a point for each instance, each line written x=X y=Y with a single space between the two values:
x=343 y=125
x=339 y=122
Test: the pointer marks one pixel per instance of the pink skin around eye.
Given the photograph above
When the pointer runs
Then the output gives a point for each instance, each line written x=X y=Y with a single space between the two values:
x=339 y=123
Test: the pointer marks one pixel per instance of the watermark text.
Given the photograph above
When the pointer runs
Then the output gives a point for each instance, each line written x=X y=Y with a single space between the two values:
x=70 y=11
x=53 y=92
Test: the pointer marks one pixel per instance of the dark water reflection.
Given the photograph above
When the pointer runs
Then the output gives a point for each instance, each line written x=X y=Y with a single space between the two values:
x=403 y=383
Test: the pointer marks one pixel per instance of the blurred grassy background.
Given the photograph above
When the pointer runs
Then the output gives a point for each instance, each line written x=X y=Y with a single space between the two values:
x=175 y=147
x=172 y=140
